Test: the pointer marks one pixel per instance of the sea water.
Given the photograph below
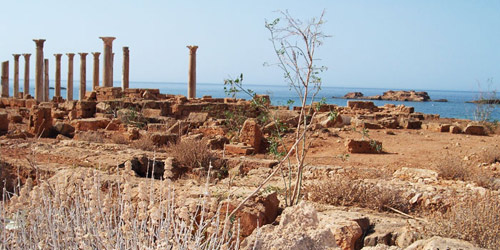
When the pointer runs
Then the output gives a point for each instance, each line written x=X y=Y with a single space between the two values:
x=456 y=107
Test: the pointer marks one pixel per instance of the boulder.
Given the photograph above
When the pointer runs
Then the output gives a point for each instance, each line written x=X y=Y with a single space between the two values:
x=437 y=242
x=258 y=211
x=411 y=124
x=455 y=129
x=251 y=134
x=364 y=146
x=218 y=142
x=472 y=129
x=64 y=129
x=300 y=228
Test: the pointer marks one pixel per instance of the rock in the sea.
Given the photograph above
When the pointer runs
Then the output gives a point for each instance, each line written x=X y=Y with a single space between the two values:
x=353 y=95
x=402 y=95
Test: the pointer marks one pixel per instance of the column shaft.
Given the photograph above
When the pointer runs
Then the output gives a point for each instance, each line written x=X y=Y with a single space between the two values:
x=5 y=80
x=69 y=89
x=125 y=73
x=95 y=76
x=46 y=81
x=192 y=72
x=16 y=75
x=83 y=75
x=39 y=70
x=58 y=75
x=26 y=88
x=107 y=69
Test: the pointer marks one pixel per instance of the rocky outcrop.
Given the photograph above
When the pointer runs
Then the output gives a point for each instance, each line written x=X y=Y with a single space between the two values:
x=400 y=95
x=437 y=242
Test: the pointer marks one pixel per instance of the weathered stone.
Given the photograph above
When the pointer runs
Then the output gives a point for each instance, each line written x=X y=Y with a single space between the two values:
x=361 y=105
x=160 y=139
x=15 y=118
x=455 y=129
x=371 y=125
x=197 y=118
x=4 y=123
x=252 y=135
x=239 y=149
x=258 y=211
x=472 y=129
x=218 y=142
x=40 y=122
x=346 y=234
x=364 y=147
x=246 y=164
x=416 y=174
x=91 y=124
x=437 y=242
x=64 y=129
x=152 y=113
x=86 y=109
x=411 y=124
x=103 y=107
x=389 y=122
x=299 y=228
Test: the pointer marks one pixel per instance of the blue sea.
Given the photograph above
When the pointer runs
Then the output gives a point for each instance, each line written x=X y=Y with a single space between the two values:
x=456 y=107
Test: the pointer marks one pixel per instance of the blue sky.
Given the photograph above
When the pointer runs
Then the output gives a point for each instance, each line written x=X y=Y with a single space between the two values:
x=381 y=44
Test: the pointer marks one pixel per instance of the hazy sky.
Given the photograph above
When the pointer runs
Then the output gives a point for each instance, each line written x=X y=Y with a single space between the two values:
x=382 y=44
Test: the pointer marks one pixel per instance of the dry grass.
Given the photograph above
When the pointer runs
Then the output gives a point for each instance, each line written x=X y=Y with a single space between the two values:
x=343 y=190
x=192 y=154
x=455 y=169
x=118 y=138
x=475 y=218
x=144 y=143
x=91 y=136
x=87 y=210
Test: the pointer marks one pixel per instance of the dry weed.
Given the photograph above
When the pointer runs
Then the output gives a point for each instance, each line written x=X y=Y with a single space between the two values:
x=475 y=218
x=144 y=143
x=192 y=154
x=455 y=169
x=87 y=210
x=119 y=139
x=343 y=190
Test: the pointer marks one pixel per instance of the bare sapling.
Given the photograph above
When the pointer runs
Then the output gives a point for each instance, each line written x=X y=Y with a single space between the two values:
x=295 y=44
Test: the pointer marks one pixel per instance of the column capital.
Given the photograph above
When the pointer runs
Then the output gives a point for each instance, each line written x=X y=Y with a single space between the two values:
x=39 y=42
x=58 y=56
x=16 y=56
x=108 y=40
x=70 y=55
x=26 y=55
x=125 y=49
x=96 y=54
x=192 y=48
x=83 y=54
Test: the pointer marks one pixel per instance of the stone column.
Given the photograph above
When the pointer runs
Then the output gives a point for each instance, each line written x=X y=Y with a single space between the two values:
x=69 y=89
x=83 y=75
x=16 y=75
x=57 y=92
x=107 y=69
x=46 y=81
x=192 y=72
x=39 y=70
x=5 y=80
x=95 y=77
x=26 y=88
x=112 y=75
x=125 y=73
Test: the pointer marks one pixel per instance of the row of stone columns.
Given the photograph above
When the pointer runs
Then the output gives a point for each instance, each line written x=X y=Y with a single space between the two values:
x=42 y=87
